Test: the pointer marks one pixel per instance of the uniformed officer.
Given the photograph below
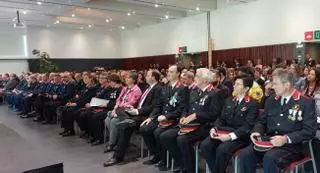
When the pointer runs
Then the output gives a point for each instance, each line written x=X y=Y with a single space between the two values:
x=237 y=119
x=71 y=108
x=205 y=105
x=173 y=101
x=289 y=119
x=43 y=97
x=96 y=119
x=62 y=92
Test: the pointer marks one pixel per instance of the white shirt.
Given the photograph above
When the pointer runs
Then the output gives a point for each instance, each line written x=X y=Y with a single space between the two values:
x=141 y=102
x=174 y=84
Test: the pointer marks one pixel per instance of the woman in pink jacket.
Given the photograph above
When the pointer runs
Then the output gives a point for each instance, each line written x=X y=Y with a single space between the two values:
x=128 y=98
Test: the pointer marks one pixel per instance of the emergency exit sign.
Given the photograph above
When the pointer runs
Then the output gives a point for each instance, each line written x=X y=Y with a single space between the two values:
x=317 y=35
x=312 y=35
x=182 y=49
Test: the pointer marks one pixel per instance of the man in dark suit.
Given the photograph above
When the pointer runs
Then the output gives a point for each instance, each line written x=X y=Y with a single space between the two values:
x=204 y=107
x=289 y=119
x=148 y=102
x=237 y=118
x=173 y=101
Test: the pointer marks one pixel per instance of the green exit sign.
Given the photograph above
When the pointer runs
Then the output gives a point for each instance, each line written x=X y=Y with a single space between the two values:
x=317 y=35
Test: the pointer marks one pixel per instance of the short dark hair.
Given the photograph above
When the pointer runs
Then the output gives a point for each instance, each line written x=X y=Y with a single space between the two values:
x=222 y=71
x=114 y=78
x=156 y=74
x=247 y=70
x=179 y=68
x=246 y=79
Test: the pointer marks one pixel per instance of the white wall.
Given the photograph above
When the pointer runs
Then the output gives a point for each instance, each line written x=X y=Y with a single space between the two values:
x=264 y=22
x=165 y=38
x=13 y=66
x=67 y=43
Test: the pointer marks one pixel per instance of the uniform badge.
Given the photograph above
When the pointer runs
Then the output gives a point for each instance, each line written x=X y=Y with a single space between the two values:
x=203 y=100
x=300 y=116
x=290 y=114
x=244 y=109
x=174 y=99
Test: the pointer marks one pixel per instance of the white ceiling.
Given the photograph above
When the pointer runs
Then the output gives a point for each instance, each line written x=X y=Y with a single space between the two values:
x=80 y=14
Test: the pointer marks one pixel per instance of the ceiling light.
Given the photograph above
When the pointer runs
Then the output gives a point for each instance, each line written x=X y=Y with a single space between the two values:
x=89 y=8
x=57 y=22
x=110 y=19
x=133 y=12
x=81 y=28
x=73 y=15
x=198 y=9
x=129 y=14
x=89 y=26
x=39 y=3
x=167 y=17
x=24 y=12
x=156 y=5
x=107 y=20
x=122 y=27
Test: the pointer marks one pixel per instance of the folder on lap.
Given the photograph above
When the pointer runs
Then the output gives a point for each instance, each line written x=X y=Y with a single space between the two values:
x=98 y=102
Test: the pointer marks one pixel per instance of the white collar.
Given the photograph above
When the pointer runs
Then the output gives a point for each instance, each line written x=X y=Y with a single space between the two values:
x=174 y=84
x=205 y=88
x=288 y=97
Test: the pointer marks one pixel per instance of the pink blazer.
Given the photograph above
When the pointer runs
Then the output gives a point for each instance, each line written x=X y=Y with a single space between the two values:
x=132 y=98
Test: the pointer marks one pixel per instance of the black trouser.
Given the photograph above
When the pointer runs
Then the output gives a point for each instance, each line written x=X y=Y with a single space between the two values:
x=181 y=146
x=316 y=151
x=38 y=103
x=151 y=136
x=82 y=118
x=49 y=109
x=96 y=124
x=68 y=117
x=272 y=160
x=218 y=154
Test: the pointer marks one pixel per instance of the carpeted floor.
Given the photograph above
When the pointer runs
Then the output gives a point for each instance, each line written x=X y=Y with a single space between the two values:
x=26 y=145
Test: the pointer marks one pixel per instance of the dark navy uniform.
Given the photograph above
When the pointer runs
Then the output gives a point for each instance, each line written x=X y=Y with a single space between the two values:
x=63 y=92
x=96 y=120
x=207 y=106
x=173 y=101
x=296 y=120
x=83 y=116
x=237 y=118
x=69 y=113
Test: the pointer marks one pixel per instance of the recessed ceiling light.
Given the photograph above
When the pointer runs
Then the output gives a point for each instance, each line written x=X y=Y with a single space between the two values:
x=24 y=12
x=122 y=27
x=89 y=8
x=39 y=3
x=156 y=5
x=133 y=12
x=198 y=9
x=57 y=22
x=167 y=16
x=89 y=26
x=129 y=14
x=107 y=20
x=73 y=15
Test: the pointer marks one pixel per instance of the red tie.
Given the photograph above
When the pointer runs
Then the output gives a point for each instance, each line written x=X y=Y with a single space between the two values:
x=143 y=97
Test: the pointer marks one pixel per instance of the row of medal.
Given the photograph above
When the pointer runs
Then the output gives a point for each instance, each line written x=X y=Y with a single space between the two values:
x=293 y=115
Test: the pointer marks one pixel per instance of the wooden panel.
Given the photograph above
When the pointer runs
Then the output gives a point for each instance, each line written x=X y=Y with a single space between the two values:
x=266 y=53
x=141 y=63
